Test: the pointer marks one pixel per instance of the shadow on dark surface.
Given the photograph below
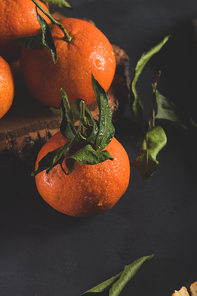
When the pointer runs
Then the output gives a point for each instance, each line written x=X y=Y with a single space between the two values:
x=22 y=202
x=178 y=63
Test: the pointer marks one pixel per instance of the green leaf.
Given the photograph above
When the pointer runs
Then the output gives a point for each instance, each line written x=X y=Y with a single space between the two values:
x=151 y=122
x=166 y=110
x=81 y=112
x=116 y=283
x=47 y=38
x=103 y=286
x=30 y=42
x=87 y=155
x=76 y=108
x=106 y=129
x=55 y=157
x=67 y=37
x=146 y=162
x=136 y=105
x=67 y=126
x=49 y=159
x=193 y=122
x=70 y=163
x=60 y=3
x=127 y=274
x=56 y=111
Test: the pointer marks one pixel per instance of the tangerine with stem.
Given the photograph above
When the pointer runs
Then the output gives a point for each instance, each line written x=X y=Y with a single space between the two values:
x=90 y=189
x=88 y=51
x=83 y=170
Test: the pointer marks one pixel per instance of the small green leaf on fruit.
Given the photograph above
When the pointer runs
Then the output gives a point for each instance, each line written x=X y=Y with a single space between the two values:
x=30 y=42
x=106 y=129
x=48 y=160
x=82 y=113
x=88 y=155
x=47 y=38
x=67 y=126
x=146 y=162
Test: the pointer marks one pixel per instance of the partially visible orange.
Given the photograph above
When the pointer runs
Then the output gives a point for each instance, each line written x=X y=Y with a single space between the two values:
x=6 y=87
x=17 y=19
x=90 y=189
x=88 y=51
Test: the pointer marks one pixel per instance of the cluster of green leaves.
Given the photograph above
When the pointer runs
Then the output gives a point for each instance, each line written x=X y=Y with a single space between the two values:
x=96 y=135
x=45 y=38
x=116 y=283
x=161 y=108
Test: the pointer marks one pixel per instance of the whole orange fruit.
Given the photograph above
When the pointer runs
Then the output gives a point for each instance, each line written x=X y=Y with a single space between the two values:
x=6 y=87
x=88 y=51
x=17 y=19
x=90 y=189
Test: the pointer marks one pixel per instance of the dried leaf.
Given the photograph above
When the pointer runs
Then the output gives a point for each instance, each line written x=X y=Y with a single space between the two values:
x=166 y=110
x=146 y=162
x=136 y=105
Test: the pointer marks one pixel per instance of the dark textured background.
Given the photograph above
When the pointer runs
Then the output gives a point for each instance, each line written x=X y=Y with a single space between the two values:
x=45 y=253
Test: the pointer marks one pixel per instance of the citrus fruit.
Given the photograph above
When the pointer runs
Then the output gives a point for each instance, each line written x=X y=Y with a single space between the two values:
x=18 y=18
x=184 y=292
x=6 y=87
x=88 y=52
x=193 y=289
x=90 y=189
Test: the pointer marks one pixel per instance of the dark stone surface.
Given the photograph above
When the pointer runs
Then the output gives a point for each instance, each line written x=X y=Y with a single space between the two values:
x=44 y=252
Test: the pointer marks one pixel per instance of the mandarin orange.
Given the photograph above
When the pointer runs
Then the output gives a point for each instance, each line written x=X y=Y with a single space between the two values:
x=88 y=51
x=90 y=189
x=18 y=18
x=6 y=87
